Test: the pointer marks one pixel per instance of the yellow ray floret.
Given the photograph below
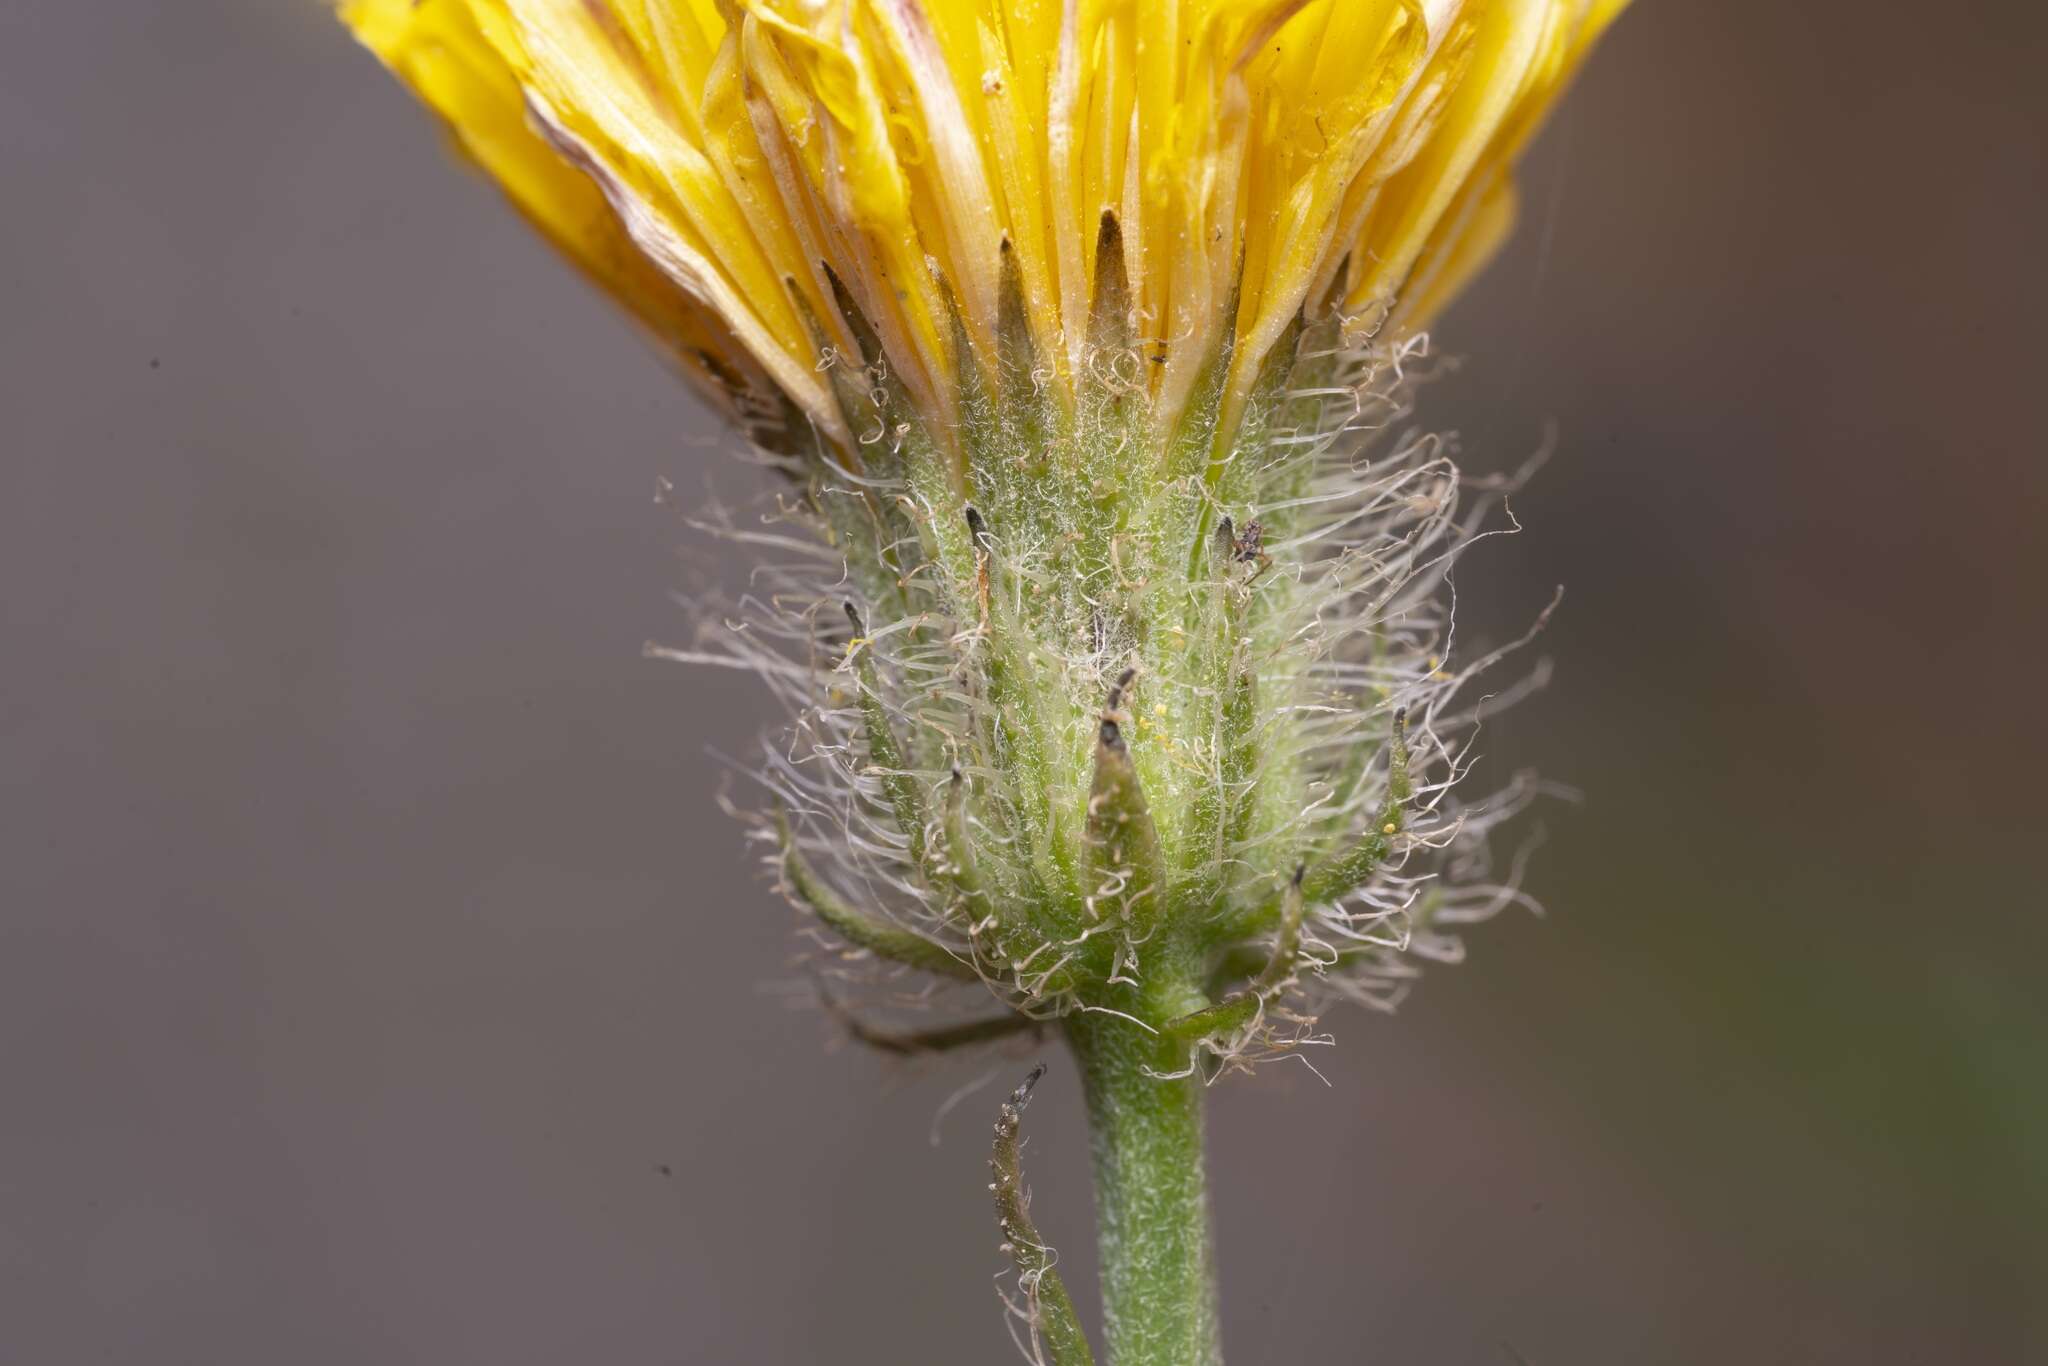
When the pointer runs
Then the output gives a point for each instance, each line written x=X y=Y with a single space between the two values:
x=731 y=168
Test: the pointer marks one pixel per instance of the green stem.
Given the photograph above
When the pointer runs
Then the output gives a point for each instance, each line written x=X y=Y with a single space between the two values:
x=1152 y=1201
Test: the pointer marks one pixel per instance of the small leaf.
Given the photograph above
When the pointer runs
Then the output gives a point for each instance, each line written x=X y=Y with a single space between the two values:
x=862 y=931
x=1048 y=1313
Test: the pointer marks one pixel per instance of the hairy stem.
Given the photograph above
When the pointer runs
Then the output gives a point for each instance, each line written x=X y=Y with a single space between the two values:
x=1152 y=1201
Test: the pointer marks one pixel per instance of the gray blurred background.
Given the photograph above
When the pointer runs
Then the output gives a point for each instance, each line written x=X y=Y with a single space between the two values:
x=380 y=984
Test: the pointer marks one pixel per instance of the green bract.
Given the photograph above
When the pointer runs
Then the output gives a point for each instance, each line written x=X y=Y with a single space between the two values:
x=1122 y=720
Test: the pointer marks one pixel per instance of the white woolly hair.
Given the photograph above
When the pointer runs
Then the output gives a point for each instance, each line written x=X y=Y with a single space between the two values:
x=948 y=631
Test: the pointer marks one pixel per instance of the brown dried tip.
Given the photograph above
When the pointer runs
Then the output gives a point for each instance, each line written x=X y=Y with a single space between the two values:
x=856 y=320
x=976 y=527
x=1116 y=691
x=853 y=616
x=1021 y=1097
x=1112 y=734
x=1109 y=322
x=1112 y=280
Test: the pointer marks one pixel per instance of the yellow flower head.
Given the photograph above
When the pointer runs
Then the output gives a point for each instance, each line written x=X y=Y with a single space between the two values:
x=925 y=182
x=1122 y=666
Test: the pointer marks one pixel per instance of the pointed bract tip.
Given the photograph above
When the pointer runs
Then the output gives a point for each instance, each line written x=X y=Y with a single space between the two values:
x=1116 y=689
